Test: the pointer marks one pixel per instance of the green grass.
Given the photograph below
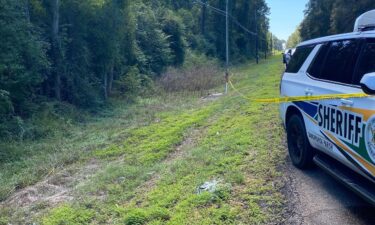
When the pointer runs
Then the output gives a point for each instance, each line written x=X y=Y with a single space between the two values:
x=237 y=142
x=24 y=163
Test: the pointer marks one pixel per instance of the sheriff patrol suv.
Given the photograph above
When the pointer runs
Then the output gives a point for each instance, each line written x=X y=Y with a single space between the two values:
x=338 y=135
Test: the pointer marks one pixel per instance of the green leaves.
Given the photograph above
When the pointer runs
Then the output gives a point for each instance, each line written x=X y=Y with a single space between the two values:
x=332 y=17
x=22 y=54
x=6 y=106
x=294 y=39
x=152 y=41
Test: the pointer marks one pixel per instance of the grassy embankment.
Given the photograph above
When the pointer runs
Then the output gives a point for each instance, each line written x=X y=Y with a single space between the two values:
x=149 y=160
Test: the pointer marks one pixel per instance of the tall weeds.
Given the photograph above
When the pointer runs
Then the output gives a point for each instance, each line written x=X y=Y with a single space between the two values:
x=195 y=76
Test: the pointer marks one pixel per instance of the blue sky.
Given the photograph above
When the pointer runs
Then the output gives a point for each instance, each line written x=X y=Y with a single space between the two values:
x=285 y=16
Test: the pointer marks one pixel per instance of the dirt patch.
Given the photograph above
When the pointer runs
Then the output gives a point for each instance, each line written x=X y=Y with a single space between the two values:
x=180 y=152
x=57 y=188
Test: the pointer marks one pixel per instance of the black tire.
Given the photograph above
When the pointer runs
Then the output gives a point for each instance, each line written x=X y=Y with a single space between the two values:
x=300 y=151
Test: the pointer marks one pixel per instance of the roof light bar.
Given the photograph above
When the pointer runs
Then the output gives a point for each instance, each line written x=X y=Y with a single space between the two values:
x=365 y=22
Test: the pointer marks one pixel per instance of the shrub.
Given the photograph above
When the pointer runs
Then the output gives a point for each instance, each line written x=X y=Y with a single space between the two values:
x=48 y=119
x=12 y=127
x=137 y=217
x=6 y=106
x=4 y=221
x=129 y=85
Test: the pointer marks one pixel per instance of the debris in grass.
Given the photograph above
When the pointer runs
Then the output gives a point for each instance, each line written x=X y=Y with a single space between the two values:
x=209 y=186
x=213 y=96
x=121 y=179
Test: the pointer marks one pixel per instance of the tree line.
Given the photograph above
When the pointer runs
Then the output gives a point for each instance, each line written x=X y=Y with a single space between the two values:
x=328 y=17
x=83 y=52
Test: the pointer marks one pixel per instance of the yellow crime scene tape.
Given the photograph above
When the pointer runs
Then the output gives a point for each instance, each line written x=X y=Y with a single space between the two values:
x=300 y=98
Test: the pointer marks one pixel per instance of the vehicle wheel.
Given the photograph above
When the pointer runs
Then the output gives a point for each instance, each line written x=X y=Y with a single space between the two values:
x=300 y=151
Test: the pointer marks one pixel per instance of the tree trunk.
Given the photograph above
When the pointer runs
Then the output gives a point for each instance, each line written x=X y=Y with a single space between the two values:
x=105 y=85
x=110 y=79
x=203 y=18
x=56 y=48
x=27 y=10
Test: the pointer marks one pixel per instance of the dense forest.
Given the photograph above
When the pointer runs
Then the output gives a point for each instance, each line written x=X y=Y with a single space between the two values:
x=84 y=52
x=328 y=17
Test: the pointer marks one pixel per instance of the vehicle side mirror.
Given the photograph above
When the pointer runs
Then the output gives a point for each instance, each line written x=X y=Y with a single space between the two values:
x=368 y=83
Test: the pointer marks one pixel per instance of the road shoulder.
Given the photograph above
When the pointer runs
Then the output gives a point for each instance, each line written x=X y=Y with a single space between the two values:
x=316 y=198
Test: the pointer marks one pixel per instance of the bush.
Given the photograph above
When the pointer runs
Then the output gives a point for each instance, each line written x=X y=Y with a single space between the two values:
x=132 y=84
x=137 y=217
x=198 y=74
x=129 y=85
x=48 y=119
x=6 y=106
x=52 y=118
x=12 y=128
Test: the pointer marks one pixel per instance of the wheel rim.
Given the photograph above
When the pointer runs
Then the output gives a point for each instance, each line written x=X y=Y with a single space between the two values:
x=296 y=142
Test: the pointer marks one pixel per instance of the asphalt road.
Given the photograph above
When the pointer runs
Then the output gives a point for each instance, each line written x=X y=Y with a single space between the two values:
x=316 y=198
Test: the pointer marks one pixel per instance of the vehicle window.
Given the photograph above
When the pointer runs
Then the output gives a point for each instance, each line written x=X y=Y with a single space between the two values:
x=340 y=61
x=299 y=58
x=316 y=67
x=366 y=63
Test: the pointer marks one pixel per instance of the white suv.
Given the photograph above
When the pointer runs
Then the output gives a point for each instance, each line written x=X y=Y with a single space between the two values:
x=338 y=134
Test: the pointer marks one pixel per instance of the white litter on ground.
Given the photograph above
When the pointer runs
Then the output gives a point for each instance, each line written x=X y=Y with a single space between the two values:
x=209 y=186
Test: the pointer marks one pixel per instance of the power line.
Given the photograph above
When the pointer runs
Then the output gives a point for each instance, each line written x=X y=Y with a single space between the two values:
x=223 y=13
x=227 y=15
x=211 y=7
x=256 y=39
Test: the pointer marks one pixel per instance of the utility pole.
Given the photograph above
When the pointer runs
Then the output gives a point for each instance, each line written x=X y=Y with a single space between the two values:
x=256 y=39
x=271 y=44
x=227 y=15
x=265 y=48
x=227 y=46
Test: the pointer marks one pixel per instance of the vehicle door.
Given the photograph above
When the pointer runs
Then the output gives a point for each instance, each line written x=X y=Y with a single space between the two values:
x=294 y=80
x=338 y=127
x=365 y=107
